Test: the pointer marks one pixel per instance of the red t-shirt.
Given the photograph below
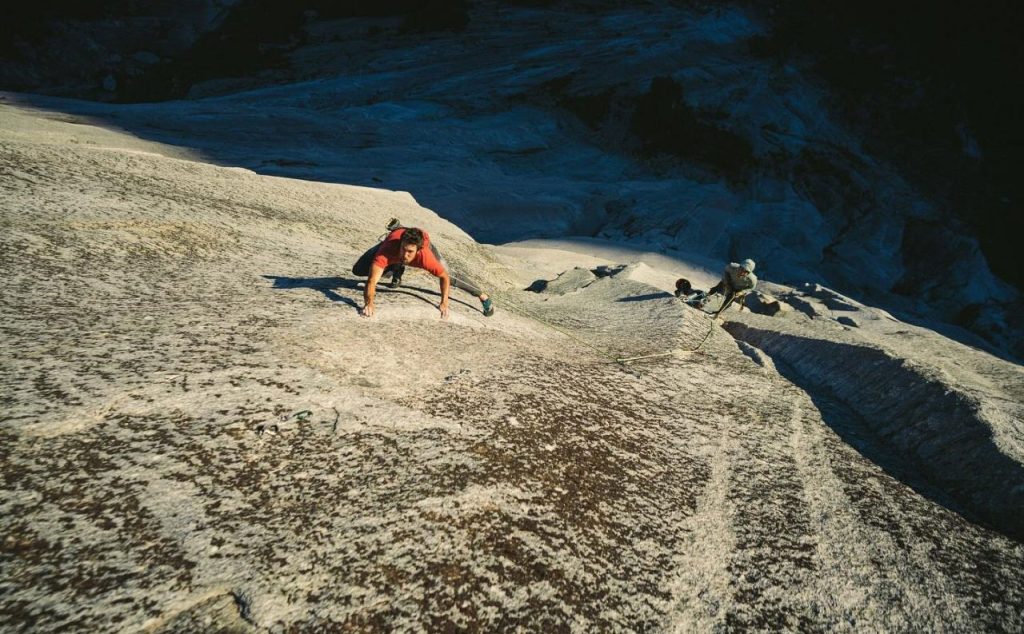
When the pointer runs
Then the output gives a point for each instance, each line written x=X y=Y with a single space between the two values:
x=390 y=252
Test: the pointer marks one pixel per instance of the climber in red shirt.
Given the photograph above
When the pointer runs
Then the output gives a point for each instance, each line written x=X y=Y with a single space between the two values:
x=409 y=246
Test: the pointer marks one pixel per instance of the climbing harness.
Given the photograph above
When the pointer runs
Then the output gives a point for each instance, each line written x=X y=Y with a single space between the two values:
x=742 y=296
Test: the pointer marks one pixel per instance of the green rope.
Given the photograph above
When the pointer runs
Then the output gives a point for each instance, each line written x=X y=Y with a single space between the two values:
x=519 y=308
x=620 y=360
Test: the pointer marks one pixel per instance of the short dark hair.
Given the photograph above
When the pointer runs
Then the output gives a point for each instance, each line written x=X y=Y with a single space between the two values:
x=413 y=235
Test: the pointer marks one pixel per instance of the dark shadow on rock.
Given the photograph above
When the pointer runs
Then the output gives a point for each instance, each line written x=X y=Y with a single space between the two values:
x=608 y=270
x=916 y=429
x=644 y=298
x=574 y=279
x=405 y=290
x=325 y=285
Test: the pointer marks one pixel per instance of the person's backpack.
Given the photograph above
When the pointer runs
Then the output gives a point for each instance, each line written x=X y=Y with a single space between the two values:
x=690 y=295
x=697 y=299
x=393 y=224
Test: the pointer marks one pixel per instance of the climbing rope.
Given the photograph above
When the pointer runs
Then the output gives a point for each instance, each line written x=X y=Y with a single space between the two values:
x=711 y=327
x=506 y=300
x=394 y=223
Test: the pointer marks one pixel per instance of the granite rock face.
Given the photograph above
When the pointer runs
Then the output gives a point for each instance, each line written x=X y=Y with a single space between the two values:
x=199 y=431
x=764 y=304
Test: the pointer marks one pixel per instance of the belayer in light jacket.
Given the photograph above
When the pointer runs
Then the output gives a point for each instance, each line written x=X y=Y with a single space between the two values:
x=737 y=280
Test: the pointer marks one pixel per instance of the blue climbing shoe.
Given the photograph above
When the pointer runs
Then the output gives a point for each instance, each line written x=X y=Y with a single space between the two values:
x=488 y=307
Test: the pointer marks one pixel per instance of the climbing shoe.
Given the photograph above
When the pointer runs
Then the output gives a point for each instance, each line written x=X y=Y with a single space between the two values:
x=488 y=307
x=396 y=277
x=394 y=223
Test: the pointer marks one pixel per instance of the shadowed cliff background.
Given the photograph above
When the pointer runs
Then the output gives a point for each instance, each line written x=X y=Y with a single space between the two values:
x=930 y=88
